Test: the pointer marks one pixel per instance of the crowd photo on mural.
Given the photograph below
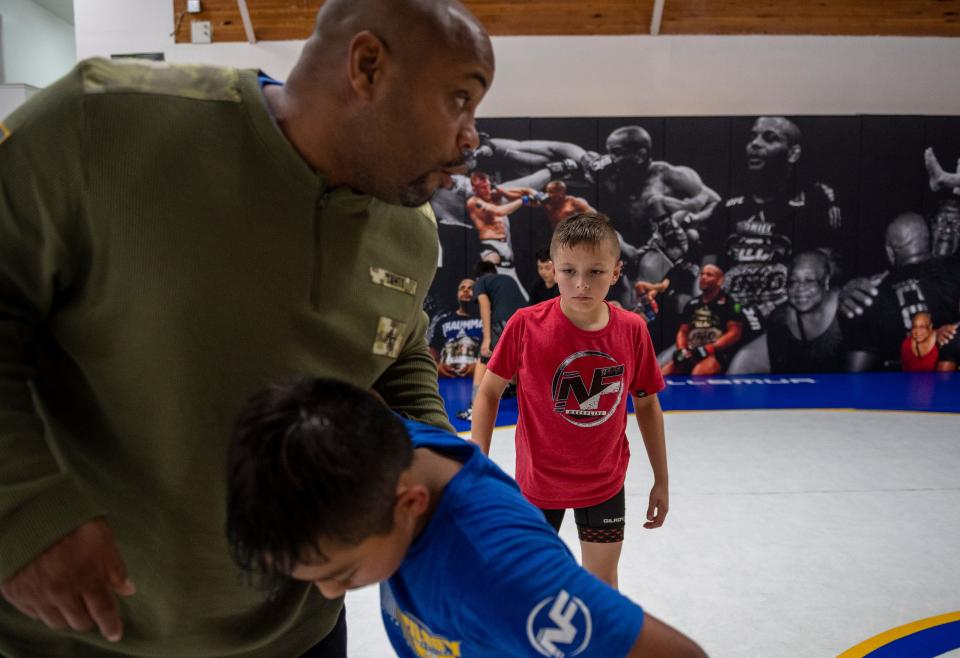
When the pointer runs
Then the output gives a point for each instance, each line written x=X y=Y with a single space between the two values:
x=750 y=245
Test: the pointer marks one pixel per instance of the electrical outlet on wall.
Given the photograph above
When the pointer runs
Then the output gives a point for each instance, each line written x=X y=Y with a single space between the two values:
x=200 y=32
x=193 y=6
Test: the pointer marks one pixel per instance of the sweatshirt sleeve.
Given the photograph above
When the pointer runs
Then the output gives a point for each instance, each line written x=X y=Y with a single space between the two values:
x=410 y=386
x=41 y=247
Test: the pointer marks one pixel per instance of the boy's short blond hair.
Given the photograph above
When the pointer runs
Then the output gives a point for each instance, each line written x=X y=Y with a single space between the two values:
x=587 y=228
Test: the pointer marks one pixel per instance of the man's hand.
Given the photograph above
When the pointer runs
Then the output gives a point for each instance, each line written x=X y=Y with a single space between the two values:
x=446 y=371
x=658 y=507
x=859 y=293
x=946 y=333
x=72 y=583
x=651 y=289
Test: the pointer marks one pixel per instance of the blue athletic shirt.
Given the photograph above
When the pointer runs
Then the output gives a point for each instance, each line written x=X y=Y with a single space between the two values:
x=489 y=578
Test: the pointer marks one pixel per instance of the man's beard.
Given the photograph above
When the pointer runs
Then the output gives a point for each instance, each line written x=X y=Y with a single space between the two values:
x=415 y=193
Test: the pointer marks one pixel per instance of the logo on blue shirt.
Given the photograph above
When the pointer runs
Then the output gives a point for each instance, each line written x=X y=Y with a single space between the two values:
x=560 y=626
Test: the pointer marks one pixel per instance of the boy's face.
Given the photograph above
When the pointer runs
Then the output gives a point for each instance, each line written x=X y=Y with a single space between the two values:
x=545 y=270
x=584 y=274
x=376 y=558
x=371 y=561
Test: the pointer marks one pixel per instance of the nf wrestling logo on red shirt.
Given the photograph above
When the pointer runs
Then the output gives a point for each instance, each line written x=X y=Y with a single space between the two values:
x=587 y=388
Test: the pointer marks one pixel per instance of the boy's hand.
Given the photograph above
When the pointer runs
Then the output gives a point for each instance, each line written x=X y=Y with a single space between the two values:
x=485 y=349
x=659 y=505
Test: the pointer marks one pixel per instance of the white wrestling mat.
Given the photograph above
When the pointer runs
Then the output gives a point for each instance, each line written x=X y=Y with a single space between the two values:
x=790 y=533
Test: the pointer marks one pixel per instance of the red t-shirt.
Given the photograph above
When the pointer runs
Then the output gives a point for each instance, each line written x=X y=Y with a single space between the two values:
x=910 y=362
x=572 y=390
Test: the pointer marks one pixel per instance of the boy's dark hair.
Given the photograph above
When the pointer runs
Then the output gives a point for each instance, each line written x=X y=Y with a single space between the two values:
x=589 y=228
x=484 y=267
x=309 y=461
x=543 y=255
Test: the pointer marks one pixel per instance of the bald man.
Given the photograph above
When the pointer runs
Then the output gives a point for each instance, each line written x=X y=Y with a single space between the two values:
x=773 y=218
x=655 y=205
x=558 y=205
x=710 y=329
x=917 y=283
x=172 y=237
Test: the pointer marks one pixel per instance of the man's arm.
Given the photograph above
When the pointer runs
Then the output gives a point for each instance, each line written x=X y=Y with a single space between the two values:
x=580 y=205
x=730 y=337
x=536 y=152
x=516 y=192
x=59 y=563
x=682 y=334
x=658 y=640
x=499 y=210
x=409 y=385
x=689 y=193
x=650 y=419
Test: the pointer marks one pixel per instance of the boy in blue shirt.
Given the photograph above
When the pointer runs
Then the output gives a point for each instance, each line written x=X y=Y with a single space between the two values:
x=327 y=485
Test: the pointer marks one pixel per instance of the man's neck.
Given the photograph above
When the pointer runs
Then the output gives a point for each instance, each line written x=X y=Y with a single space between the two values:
x=913 y=259
x=306 y=141
x=709 y=295
x=766 y=186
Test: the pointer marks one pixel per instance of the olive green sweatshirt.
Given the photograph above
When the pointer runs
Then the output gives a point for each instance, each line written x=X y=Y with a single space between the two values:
x=164 y=254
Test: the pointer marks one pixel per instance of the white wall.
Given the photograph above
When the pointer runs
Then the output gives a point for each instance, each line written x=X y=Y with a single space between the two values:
x=610 y=76
x=38 y=46
x=12 y=96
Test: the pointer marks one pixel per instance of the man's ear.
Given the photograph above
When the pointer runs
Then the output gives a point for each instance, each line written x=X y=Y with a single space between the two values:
x=793 y=155
x=366 y=59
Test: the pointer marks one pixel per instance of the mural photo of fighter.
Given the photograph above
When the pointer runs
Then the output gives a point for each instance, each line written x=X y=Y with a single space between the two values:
x=516 y=165
x=917 y=282
x=749 y=194
x=710 y=329
x=658 y=209
x=772 y=216
x=489 y=209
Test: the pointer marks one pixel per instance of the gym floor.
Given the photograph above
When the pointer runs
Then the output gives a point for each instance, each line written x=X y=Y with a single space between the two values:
x=809 y=516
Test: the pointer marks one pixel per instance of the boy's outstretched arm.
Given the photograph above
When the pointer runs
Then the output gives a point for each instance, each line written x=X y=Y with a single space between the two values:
x=485 y=407
x=657 y=640
x=650 y=419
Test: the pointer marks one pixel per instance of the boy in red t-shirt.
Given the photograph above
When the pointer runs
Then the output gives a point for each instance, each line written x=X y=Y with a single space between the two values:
x=574 y=357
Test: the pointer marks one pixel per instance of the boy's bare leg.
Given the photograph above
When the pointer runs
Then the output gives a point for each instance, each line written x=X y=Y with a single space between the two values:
x=602 y=559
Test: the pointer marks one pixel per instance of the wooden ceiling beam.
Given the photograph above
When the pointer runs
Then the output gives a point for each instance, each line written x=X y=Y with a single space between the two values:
x=278 y=20
x=247 y=23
